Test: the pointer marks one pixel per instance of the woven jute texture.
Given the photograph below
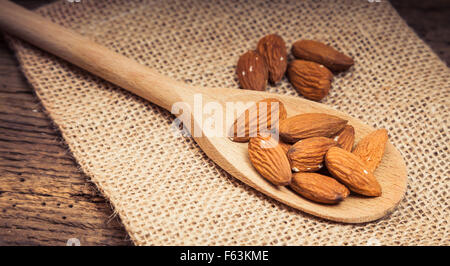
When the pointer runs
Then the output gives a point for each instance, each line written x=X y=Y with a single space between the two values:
x=167 y=192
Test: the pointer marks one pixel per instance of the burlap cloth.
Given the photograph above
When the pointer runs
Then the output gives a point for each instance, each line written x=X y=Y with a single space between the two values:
x=167 y=192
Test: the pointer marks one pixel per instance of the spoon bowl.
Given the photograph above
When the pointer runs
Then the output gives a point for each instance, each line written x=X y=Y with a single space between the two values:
x=233 y=158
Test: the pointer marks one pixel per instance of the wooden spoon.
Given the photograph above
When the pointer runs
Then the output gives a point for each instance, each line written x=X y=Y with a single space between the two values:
x=232 y=157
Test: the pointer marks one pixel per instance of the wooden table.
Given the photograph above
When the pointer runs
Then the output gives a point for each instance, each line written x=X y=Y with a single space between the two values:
x=46 y=200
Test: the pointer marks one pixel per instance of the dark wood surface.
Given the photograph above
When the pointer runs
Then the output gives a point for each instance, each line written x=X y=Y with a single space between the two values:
x=45 y=199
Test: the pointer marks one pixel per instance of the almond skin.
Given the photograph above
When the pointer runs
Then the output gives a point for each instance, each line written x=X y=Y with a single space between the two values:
x=310 y=125
x=310 y=79
x=371 y=148
x=319 y=188
x=323 y=54
x=350 y=170
x=307 y=155
x=269 y=159
x=252 y=71
x=248 y=123
x=273 y=48
x=346 y=138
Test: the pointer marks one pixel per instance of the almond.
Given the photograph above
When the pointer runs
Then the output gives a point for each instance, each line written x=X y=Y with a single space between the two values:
x=258 y=118
x=273 y=48
x=252 y=71
x=350 y=170
x=307 y=155
x=319 y=188
x=371 y=148
x=346 y=138
x=310 y=125
x=269 y=159
x=321 y=53
x=310 y=79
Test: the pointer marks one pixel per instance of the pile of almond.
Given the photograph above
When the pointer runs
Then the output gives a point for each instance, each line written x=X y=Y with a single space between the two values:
x=310 y=74
x=314 y=154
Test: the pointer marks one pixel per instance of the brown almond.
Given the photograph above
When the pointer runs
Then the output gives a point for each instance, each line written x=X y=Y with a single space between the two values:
x=258 y=118
x=346 y=138
x=273 y=48
x=269 y=159
x=252 y=71
x=319 y=188
x=310 y=79
x=321 y=53
x=307 y=155
x=350 y=170
x=310 y=125
x=371 y=148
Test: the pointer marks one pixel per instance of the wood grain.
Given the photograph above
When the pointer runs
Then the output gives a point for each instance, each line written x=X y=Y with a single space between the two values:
x=44 y=198
x=33 y=158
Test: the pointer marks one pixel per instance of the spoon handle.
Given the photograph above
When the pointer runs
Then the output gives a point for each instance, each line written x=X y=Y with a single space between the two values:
x=96 y=59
